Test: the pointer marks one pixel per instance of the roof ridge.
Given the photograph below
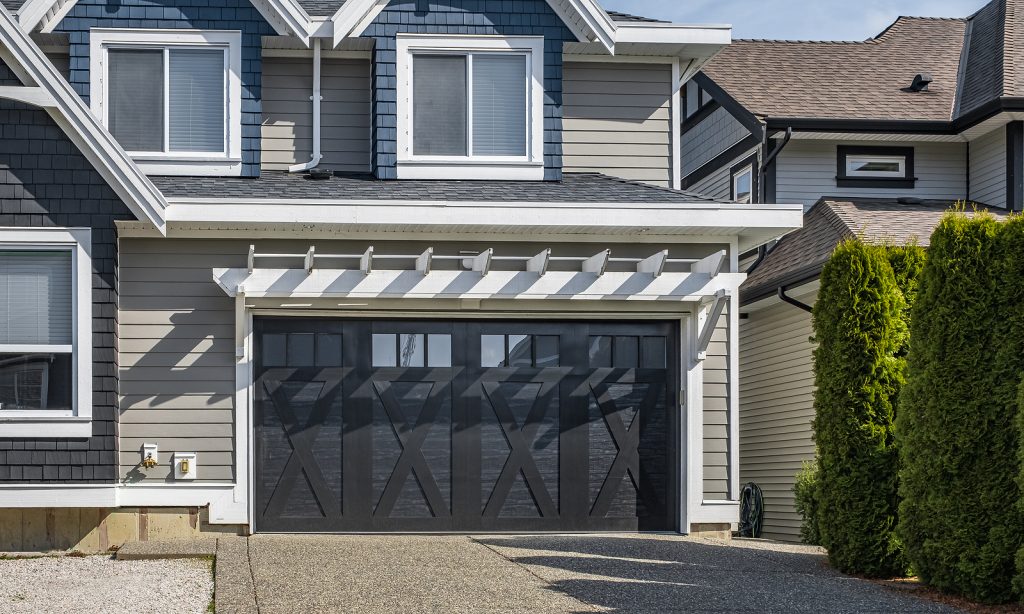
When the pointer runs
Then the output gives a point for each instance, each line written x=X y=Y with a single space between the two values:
x=873 y=39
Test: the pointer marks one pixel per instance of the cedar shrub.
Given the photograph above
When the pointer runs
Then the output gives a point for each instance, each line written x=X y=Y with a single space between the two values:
x=805 y=496
x=957 y=440
x=858 y=371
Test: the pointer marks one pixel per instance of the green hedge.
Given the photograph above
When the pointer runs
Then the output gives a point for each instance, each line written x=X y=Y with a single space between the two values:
x=958 y=519
x=860 y=330
x=1018 y=582
x=805 y=497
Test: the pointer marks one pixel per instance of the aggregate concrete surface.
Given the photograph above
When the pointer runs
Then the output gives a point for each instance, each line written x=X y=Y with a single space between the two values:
x=593 y=573
x=101 y=585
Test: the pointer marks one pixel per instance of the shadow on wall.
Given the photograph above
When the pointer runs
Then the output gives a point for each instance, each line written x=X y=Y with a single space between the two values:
x=626 y=574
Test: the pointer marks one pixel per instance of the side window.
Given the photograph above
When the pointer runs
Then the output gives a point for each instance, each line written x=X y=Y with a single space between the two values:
x=875 y=167
x=742 y=181
x=45 y=333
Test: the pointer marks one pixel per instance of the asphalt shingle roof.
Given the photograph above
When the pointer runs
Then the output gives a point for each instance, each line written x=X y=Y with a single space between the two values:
x=626 y=18
x=847 y=80
x=801 y=255
x=575 y=187
x=321 y=8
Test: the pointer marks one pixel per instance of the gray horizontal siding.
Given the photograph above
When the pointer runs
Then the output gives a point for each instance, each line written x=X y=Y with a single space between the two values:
x=716 y=414
x=176 y=356
x=712 y=136
x=988 y=168
x=617 y=120
x=776 y=409
x=806 y=171
x=287 y=130
x=717 y=185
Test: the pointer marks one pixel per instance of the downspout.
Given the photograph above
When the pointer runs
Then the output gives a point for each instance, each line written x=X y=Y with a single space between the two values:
x=316 y=98
x=792 y=301
x=761 y=175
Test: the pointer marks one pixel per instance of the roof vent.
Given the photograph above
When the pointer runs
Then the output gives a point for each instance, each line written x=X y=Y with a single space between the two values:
x=921 y=83
x=320 y=173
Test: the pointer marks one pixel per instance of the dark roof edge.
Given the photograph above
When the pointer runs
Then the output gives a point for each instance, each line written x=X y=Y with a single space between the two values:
x=730 y=104
x=900 y=126
x=797 y=277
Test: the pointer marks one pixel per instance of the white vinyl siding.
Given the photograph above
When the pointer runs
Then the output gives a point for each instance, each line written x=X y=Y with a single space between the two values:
x=806 y=171
x=988 y=169
x=617 y=120
x=713 y=135
x=176 y=355
x=716 y=414
x=776 y=409
x=287 y=130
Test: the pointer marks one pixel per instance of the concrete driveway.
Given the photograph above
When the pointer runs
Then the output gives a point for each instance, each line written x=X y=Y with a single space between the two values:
x=609 y=573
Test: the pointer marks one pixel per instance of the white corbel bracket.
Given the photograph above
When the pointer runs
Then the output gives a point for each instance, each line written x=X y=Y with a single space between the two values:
x=240 y=324
x=35 y=96
x=718 y=303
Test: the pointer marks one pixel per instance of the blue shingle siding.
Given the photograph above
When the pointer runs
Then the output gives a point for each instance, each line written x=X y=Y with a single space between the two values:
x=46 y=181
x=179 y=14
x=460 y=17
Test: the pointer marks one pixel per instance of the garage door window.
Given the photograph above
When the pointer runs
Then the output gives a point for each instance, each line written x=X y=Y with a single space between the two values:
x=536 y=351
x=623 y=352
x=412 y=350
x=302 y=350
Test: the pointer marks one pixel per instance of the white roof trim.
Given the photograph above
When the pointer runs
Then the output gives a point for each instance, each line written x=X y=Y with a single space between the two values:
x=554 y=285
x=286 y=16
x=355 y=15
x=70 y=113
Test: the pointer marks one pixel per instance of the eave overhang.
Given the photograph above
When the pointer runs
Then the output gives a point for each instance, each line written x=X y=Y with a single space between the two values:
x=45 y=88
x=749 y=225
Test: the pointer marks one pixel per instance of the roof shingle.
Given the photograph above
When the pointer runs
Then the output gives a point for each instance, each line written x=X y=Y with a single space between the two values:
x=800 y=256
x=575 y=188
x=847 y=80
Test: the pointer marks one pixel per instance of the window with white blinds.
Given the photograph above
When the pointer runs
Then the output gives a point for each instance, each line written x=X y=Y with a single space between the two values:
x=196 y=100
x=188 y=115
x=471 y=104
x=499 y=105
x=36 y=299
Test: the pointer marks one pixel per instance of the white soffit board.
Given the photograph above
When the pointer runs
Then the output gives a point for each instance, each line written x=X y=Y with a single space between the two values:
x=68 y=110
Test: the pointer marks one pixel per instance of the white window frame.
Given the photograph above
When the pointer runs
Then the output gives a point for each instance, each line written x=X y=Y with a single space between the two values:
x=77 y=422
x=229 y=163
x=747 y=170
x=524 y=168
x=862 y=158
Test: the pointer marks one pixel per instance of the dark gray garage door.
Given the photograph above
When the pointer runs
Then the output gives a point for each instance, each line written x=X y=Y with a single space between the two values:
x=465 y=426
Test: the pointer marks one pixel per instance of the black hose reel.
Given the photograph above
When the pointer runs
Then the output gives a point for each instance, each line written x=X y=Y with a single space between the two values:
x=751 y=510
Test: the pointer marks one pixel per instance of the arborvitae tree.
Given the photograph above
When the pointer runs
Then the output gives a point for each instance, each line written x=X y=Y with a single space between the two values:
x=956 y=427
x=860 y=330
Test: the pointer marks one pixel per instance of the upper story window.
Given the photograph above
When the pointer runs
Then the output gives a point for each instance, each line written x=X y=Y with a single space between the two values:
x=695 y=99
x=470 y=107
x=743 y=185
x=875 y=167
x=45 y=332
x=172 y=99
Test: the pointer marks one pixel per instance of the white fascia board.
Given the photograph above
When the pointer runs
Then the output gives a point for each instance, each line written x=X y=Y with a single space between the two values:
x=81 y=126
x=510 y=218
x=673 y=34
x=519 y=285
x=356 y=15
x=286 y=16
x=58 y=495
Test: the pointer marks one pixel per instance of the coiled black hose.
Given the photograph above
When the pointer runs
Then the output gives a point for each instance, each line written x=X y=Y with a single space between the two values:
x=751 y=510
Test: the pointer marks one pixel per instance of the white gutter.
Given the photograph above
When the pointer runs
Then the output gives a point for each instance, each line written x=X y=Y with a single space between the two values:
x=316 y=98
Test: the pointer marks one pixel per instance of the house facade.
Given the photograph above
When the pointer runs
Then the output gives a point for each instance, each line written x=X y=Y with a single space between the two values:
x=875 y=139
x=306 y=266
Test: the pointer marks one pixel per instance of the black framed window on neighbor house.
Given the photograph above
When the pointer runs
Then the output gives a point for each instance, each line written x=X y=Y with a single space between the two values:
x=743 y=181
x=875 y=167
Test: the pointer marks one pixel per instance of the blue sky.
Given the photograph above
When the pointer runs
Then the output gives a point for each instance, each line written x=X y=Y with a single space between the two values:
x=791 y=19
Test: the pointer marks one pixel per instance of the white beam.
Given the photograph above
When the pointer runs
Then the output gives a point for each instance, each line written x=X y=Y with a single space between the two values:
x=481 y=263
x=711 y=265
x=653 y=265
x=598 y=263
x=366 y=261
x=539 y=263
x=425 y=260
x=561 y=285
x=35 y=96
x=309 y=260
x=714 y=314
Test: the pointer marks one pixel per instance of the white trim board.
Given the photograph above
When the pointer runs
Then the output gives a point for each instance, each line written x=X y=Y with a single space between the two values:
x=102 y=40
x=23 y=56
x=49 y=423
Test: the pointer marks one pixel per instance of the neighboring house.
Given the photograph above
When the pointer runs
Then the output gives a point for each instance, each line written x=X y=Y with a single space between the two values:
x=500 y=312
x=875 y=139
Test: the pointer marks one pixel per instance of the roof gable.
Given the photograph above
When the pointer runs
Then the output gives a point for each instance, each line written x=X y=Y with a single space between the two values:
x=46 y=88
x=847 y=80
